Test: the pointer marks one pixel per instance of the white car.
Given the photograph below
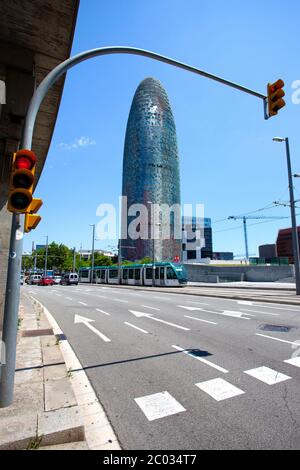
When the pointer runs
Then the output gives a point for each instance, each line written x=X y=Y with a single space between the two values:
x=57 y=279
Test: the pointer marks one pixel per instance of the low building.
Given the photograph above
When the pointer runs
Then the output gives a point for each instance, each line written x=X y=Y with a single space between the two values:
x=284 y=243
x=267 y=251
x=86 y=255
x=223 y=255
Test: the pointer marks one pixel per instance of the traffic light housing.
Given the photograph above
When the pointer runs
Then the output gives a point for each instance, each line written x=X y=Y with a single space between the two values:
x=31 y=218
x=21 y=181
x=275 y=94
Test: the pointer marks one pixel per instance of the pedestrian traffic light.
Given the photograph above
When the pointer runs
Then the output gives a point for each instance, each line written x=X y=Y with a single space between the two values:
x=275 y=94
x=21 y=181
x=31 y=218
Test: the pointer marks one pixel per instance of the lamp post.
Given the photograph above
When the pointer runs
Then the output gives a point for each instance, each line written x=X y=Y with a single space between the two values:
x=93 y=253
x=46 y=256
x=293 y=213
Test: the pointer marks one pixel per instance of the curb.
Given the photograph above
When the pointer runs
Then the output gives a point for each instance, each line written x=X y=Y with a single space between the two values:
x=99 y=433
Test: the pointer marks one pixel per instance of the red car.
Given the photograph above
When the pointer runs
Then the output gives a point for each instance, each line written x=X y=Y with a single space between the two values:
x=46 y=281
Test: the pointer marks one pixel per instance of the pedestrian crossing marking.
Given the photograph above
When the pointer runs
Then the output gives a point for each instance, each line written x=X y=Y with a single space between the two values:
x=159 y=405
x=219 y=389
x=267 y=375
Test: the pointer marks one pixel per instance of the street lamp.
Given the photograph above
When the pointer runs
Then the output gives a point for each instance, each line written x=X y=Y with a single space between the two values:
x=46 y=256
x=293 y=213
x=93 y=253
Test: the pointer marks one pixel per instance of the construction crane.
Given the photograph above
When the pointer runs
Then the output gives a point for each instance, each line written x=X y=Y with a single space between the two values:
x=245 y=218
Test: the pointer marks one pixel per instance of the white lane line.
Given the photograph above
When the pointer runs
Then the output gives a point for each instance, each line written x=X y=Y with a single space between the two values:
x=164 y=298
x=82 y=303
x=69 y=298
x=278 y=339
x=152 y=308
x=131 y=293
x=102 y=311
x=293 y=309
x=200 y=319
x=159 y=405
x=294 y=361
x=136 y=327
x=198 y=303
x=201 y=359
x=219 y=389
x=101 y=296
x=120 y=300
x=267 y=375
x=257 y=311
x=244 y=302
x=58 y=295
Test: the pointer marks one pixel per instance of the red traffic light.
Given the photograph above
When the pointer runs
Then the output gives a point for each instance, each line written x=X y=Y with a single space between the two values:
x=21 y=181
x=25 y=159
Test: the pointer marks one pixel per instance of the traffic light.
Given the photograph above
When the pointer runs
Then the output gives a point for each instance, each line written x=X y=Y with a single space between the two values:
x=21 y=181
x=31 y=218
x=275 y=94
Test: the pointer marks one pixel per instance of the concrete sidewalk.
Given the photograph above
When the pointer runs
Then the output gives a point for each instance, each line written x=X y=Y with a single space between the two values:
x=46 y=412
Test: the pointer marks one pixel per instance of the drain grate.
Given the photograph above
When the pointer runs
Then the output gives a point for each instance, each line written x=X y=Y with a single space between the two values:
x=280 y=328
x=61 y=337
x=37 y=332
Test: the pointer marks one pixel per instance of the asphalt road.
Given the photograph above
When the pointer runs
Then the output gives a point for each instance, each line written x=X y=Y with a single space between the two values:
x=177 y=371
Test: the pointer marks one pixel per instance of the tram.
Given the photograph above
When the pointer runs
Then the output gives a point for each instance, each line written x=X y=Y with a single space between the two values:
x=165 y=274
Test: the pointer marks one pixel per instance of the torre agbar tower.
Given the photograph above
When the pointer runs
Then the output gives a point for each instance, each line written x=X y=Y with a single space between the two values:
x=151 y=177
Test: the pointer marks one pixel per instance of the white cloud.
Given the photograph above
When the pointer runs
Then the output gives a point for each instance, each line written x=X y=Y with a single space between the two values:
x=83 y=141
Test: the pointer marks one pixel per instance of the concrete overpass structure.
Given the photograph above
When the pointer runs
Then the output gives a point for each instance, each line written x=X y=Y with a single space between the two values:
x=34 y=38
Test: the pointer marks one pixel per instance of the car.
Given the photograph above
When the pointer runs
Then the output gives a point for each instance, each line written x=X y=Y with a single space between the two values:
x=46 y=281
x=69 y=278
x=57 y=279
x=34 y=279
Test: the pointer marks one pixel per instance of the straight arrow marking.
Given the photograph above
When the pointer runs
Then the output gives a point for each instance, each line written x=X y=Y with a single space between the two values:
x=226 y=313
x=149 y=315
x=86 y=322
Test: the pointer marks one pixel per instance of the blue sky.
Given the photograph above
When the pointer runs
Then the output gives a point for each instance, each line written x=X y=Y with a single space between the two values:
x=228 y=159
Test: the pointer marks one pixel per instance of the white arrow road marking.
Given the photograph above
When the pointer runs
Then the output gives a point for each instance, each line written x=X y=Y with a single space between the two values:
x=201 y=359
x=257 y=311
x=149 y=315
x=136 y=327
x=226 y=313
x=86 y=322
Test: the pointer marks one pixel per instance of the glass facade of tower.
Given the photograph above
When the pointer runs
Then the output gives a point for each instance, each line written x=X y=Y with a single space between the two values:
x=151 y=172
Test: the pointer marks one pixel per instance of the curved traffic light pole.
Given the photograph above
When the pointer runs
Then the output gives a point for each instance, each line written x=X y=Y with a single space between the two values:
x=12 y=294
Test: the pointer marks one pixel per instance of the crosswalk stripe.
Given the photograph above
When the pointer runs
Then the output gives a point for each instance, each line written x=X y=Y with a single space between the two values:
x=267 y=375
x=219 y=389
x=294 y=361
x=159 y=405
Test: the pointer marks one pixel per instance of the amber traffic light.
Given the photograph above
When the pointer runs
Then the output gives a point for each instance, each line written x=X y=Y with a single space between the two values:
x=275 y=94
x=21 y=181
x=31 y=218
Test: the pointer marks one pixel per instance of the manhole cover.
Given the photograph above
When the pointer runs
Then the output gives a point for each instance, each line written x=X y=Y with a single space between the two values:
x=281 y=328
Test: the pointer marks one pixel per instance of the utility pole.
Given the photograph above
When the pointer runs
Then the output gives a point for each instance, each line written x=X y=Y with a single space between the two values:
x=46 y=257
x=74 y=259
x=246 y=238
x=293 y=213
x=93 y=254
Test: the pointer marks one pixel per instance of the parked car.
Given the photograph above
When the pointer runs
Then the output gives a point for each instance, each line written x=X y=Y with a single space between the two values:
x=69 y=278
x=34 y=279
x=46 y=281
x=57 y=279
